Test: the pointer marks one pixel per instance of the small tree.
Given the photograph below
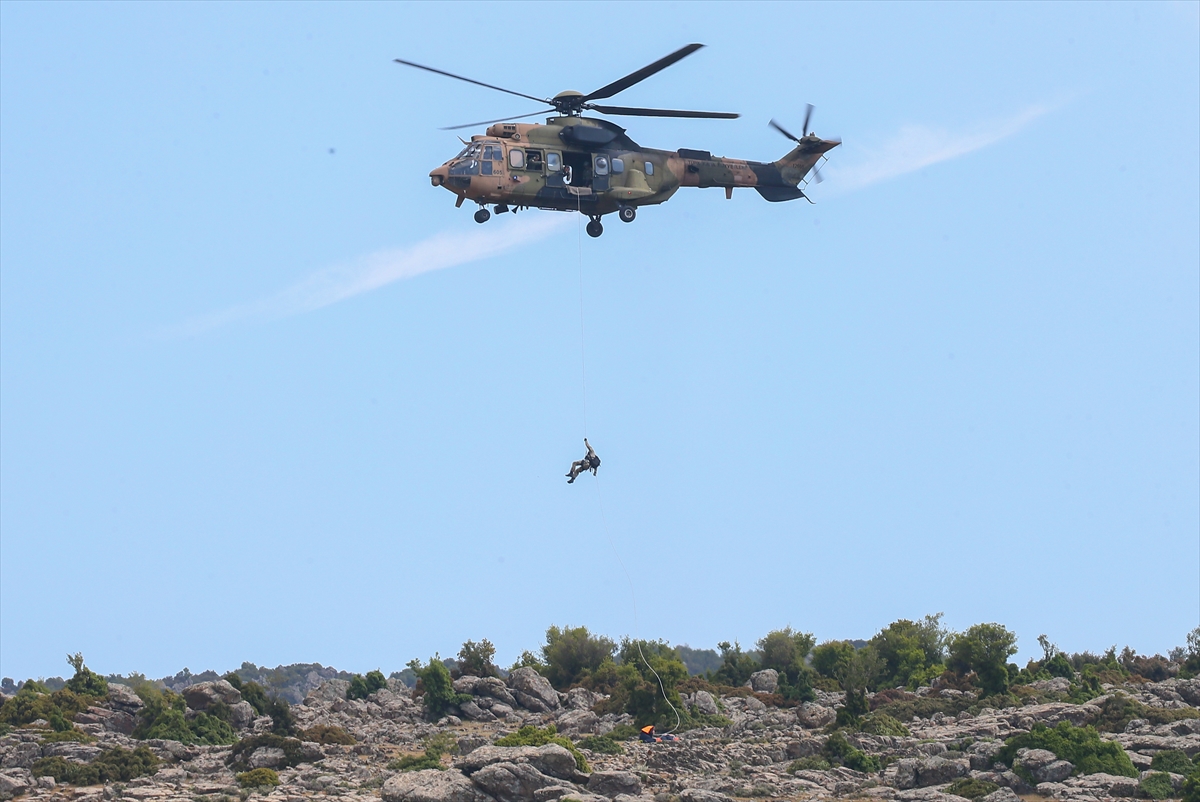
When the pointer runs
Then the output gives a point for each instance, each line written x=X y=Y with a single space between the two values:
x=361 y=687
x=646 y=682
x=736 y=665
x=911 y=652
x=570 y=654
x=984 y=649
x=785 y=651
x=832 y=657
x=475 y=659
x=85 y=682
x=435 y=679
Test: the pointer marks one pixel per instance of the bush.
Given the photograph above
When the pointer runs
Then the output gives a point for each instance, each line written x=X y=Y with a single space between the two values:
x=85 y=682
x=34 y=701
x=1191 y=786
x=111 y=765
x=257 y=778
x=602 y=744
x=1118 y=710
x=970 y=788
x=1059 y=666
x=736 y=665
x=162 y=716
x=475 y=659
x=1156 y=786
x=434 y=680
x=327 y=734
x=435 y=746
x=883 y=724
x=925 y=706
x=984 y=649
x=362 y=687
x=810 y=763
x=647 y=684
x=282 y=720
x=72 y=734
x=532 y=736
x=1079 y=745
x=1175 y=761
x=570 y=654
x=839 y=752
x=293 y=750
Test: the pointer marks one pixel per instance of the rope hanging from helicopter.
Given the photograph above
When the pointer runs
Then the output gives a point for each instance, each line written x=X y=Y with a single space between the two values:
x=596 y=482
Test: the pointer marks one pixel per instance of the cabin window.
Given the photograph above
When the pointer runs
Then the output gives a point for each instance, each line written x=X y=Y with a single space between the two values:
x=649 y=168
x=485 y=168
x=553 y=162
x=516 y=158
x=533 y=160
x=618 y=165
x=601 y=165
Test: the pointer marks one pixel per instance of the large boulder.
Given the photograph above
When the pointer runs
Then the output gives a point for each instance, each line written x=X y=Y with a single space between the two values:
x=241 y=714
x=612 y=783
x=494 y=688
x=765 y=681
x=532 y=690
x=122 y=697
x=13 y=784
x=550 y=759
x=1044 y=765
x=578 y=722
x=813 y=716
x=924 y=772
x=1002 y=795
x=431 y=785
x=702 y=795
x=204 y=694
x=706 y=704
x=512 y=782
x=474 y=712
x=582 y=698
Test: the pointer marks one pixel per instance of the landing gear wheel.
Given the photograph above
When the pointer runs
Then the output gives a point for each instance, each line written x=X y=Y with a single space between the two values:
x=627 y=213
x=482 y=216
x=594 y=229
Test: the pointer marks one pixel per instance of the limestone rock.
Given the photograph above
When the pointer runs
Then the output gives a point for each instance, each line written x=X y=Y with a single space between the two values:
x=702 y=795
x=532 y=690
x=706 y=704
x=1001 y=795
x=204 y=694
x=122 y=697
x=582 y=699
x=512 y=782
x=431 y=785
x=814 y=716
x=1044 y=765
x=550 y=759
x=578 y=722
x=12 y=784
x=474 y=712
x=765 y=681
x=612 y=783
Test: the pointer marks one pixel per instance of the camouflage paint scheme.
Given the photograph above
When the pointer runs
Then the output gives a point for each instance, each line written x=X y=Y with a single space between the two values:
x=509 y=177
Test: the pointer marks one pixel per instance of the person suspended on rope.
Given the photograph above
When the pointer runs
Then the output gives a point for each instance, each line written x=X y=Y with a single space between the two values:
x=590 y=462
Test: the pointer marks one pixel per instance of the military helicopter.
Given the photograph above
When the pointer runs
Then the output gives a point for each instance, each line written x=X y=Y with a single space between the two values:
x=581 y=164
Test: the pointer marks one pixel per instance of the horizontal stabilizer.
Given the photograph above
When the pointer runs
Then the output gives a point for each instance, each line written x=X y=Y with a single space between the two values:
x=776 y=194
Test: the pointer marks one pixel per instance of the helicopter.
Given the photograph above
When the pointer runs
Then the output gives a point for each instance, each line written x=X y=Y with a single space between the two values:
x=582 y=164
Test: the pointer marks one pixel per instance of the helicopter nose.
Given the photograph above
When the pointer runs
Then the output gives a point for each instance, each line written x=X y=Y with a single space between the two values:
x=437 y=177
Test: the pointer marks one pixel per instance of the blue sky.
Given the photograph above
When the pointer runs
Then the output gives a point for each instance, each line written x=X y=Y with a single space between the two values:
x=266 y=395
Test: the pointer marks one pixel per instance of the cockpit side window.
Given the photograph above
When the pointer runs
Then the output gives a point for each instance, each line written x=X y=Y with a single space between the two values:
x=533 y=160
x=649 y=168
x=553 y=162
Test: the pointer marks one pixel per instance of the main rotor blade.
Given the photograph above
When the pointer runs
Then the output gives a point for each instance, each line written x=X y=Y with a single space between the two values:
x=470 y=81
x=500 y=120
x=636 y=112
x=783 y=131
x=807 y=116
x=645 y=72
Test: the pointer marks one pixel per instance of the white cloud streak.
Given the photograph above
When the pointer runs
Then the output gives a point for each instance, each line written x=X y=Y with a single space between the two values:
x=379 y=269
x=917 y=146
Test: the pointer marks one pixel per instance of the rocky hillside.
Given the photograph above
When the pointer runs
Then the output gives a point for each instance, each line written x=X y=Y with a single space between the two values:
x=764 y=751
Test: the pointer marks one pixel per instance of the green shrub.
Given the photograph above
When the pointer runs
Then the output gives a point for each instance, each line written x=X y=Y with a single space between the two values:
x=838 y=751
x=984 y=649
x=1078 y=745
x=282 y=720
x=810 y=763
x=435 y=746
x=362 y=687
x=1118 y=710
x=434 y=679
x=831 y=658
x=970 y=788
x=532 y=736
x=1059 y=666
x=162 y=716
x=1156 y=786
x=293 y=750
x=623 y=732
x=1175 y=761
x=1191 y=786
x=602 y=744
x=327 y=734
x=85 y=682
x=72 y=734
x=111 y=765
x=882 y=724
x=571 y=654
x=34 y=701
x=475 y=659
x=736 y=665
x=257 y=778
x=925 y=706
x=786 y=651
